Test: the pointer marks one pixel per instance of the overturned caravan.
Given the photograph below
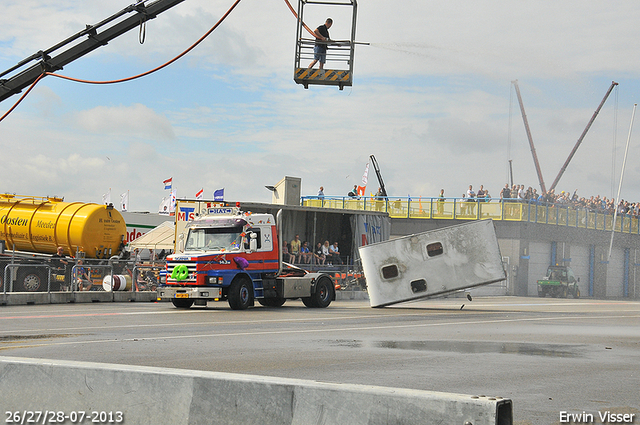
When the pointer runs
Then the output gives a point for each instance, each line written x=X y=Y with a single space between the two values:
x=433 y=263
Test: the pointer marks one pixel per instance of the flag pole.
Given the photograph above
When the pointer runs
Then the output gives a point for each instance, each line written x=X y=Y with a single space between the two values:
x=624 y=161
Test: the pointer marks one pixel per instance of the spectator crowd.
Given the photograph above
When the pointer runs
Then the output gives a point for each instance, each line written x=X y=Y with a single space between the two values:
x=518 y=192
x=297 y=252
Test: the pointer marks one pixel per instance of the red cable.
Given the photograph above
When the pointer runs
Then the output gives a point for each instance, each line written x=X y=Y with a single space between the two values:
x=128 y=78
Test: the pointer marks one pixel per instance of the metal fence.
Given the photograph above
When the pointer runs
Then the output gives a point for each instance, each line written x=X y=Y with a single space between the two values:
x=496 y=209
x=22 y=276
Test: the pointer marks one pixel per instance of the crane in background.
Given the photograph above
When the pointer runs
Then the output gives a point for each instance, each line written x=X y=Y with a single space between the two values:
x=383 y=190
x=584 y=133
x=573 y=151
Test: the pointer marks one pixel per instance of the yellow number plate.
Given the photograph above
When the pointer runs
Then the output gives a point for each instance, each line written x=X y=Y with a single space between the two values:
x=182 y=295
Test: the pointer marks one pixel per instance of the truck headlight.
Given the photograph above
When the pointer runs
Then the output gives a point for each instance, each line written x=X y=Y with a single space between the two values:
x=215 y=280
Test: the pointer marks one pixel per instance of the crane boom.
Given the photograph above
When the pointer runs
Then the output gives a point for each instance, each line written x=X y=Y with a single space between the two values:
x=584 y=133
x=383 y=190
x=533 y=149
x=49 y=62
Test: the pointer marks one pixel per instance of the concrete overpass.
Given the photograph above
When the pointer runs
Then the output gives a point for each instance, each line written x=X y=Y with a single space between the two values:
x=531 y=236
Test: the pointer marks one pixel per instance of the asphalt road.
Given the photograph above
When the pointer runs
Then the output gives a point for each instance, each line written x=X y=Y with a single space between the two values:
x=547 y=355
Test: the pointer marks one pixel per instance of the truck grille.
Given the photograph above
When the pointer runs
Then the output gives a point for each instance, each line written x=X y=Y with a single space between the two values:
x=190 y=266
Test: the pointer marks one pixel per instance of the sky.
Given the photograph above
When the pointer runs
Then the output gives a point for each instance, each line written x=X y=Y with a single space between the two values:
x=432 y=99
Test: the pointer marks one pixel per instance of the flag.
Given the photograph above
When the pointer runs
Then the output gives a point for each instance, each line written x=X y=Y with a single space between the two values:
x=365 y=180
x=167 y=183
x=172 y=202
x=106 y=198
x=365 y=176
x=164 y=205
x=124 y=200
x=199 y=194
x=218 y=195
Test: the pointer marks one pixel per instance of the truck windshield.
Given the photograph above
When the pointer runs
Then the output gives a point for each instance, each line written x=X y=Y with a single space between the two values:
x=215 y=239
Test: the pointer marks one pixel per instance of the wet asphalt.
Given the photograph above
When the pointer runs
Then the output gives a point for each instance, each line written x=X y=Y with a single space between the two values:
x=547 y=355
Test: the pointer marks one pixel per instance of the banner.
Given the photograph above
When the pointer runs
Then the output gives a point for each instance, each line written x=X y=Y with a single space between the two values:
x=106 y=198
x=172 y=202
x=200 y=194
x=218 y=195
x=124 y=200
x=365 y=180
x=164 y=205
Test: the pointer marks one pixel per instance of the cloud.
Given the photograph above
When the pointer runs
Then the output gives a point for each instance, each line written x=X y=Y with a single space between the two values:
x=135 y=120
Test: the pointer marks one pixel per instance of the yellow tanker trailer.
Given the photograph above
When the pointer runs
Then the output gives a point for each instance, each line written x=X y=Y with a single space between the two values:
x=36 y=226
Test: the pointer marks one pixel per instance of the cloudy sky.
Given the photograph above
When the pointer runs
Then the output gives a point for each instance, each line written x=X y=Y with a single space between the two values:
x=432 y=99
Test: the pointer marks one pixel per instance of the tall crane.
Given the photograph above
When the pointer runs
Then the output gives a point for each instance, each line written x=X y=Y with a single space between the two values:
x=533 y=149
x=63 y=53
x=584 y=133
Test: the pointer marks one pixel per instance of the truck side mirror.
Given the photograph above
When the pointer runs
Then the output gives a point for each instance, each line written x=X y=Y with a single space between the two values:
x=253 y=242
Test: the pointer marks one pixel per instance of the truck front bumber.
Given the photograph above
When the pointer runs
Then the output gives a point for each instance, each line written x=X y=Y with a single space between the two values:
x=189 y=292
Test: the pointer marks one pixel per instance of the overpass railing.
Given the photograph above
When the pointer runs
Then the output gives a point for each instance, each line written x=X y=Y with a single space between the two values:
x=496 y=209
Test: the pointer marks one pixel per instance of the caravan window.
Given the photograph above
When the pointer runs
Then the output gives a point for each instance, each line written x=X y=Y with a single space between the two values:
x=390 y=271
x=434 y=249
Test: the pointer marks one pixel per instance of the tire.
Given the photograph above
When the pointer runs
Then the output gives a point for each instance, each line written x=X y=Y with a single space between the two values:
x=308 y=302
x=576 y=292
x=30 y=281
x=240 y=294
x=181 y=302
x=564 y=292
x=542 y=293
x=272 y=302
x=323 y=294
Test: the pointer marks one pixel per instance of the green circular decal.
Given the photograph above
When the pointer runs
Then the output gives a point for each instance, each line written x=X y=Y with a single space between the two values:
x=180 y=272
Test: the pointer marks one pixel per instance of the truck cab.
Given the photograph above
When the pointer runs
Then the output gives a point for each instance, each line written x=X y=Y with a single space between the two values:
x=559 y=281
x=227 y=254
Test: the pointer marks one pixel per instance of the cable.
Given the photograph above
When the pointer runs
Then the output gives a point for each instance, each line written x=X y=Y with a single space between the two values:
x=309 y=30
x=78 y=80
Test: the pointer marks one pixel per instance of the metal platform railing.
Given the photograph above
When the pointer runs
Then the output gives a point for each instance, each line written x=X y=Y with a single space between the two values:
x=496 y=209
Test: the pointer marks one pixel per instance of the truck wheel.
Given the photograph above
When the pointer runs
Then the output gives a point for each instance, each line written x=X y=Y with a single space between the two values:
x=181 y=302
x=542 y=293
x=563 y=292
x=240 y=294
x=321 y=298
x=31 y=281
x=576 y=292
x=272 y=302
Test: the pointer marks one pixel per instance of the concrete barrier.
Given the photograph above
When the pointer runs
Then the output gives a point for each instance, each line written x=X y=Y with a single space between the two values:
x=25 y=298
x=149 y=395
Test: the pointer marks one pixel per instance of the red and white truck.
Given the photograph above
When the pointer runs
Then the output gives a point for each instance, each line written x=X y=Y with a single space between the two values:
x=223 y=253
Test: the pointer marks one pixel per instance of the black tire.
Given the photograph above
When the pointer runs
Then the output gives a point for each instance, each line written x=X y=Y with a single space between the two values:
x=542 y=293
x=576 y=292
x=308 y=302
x=564 y=292
x=240 y=294
x=30 y=280
x=182 y=302
x=272 y=302
x=323 y=294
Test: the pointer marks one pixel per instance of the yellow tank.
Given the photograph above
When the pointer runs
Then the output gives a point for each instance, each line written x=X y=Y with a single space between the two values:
x=43 y=224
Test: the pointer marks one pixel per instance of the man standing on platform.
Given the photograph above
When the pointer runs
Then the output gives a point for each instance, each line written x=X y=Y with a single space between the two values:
x=320 y=48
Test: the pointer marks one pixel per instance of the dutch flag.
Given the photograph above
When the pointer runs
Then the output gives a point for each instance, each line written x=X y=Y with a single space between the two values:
x=167 y=183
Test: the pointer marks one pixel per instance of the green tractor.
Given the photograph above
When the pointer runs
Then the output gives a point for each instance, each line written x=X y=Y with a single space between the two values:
x=560 y=282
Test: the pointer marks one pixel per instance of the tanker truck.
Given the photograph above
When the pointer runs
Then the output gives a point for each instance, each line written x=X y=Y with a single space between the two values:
x=32 y=228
